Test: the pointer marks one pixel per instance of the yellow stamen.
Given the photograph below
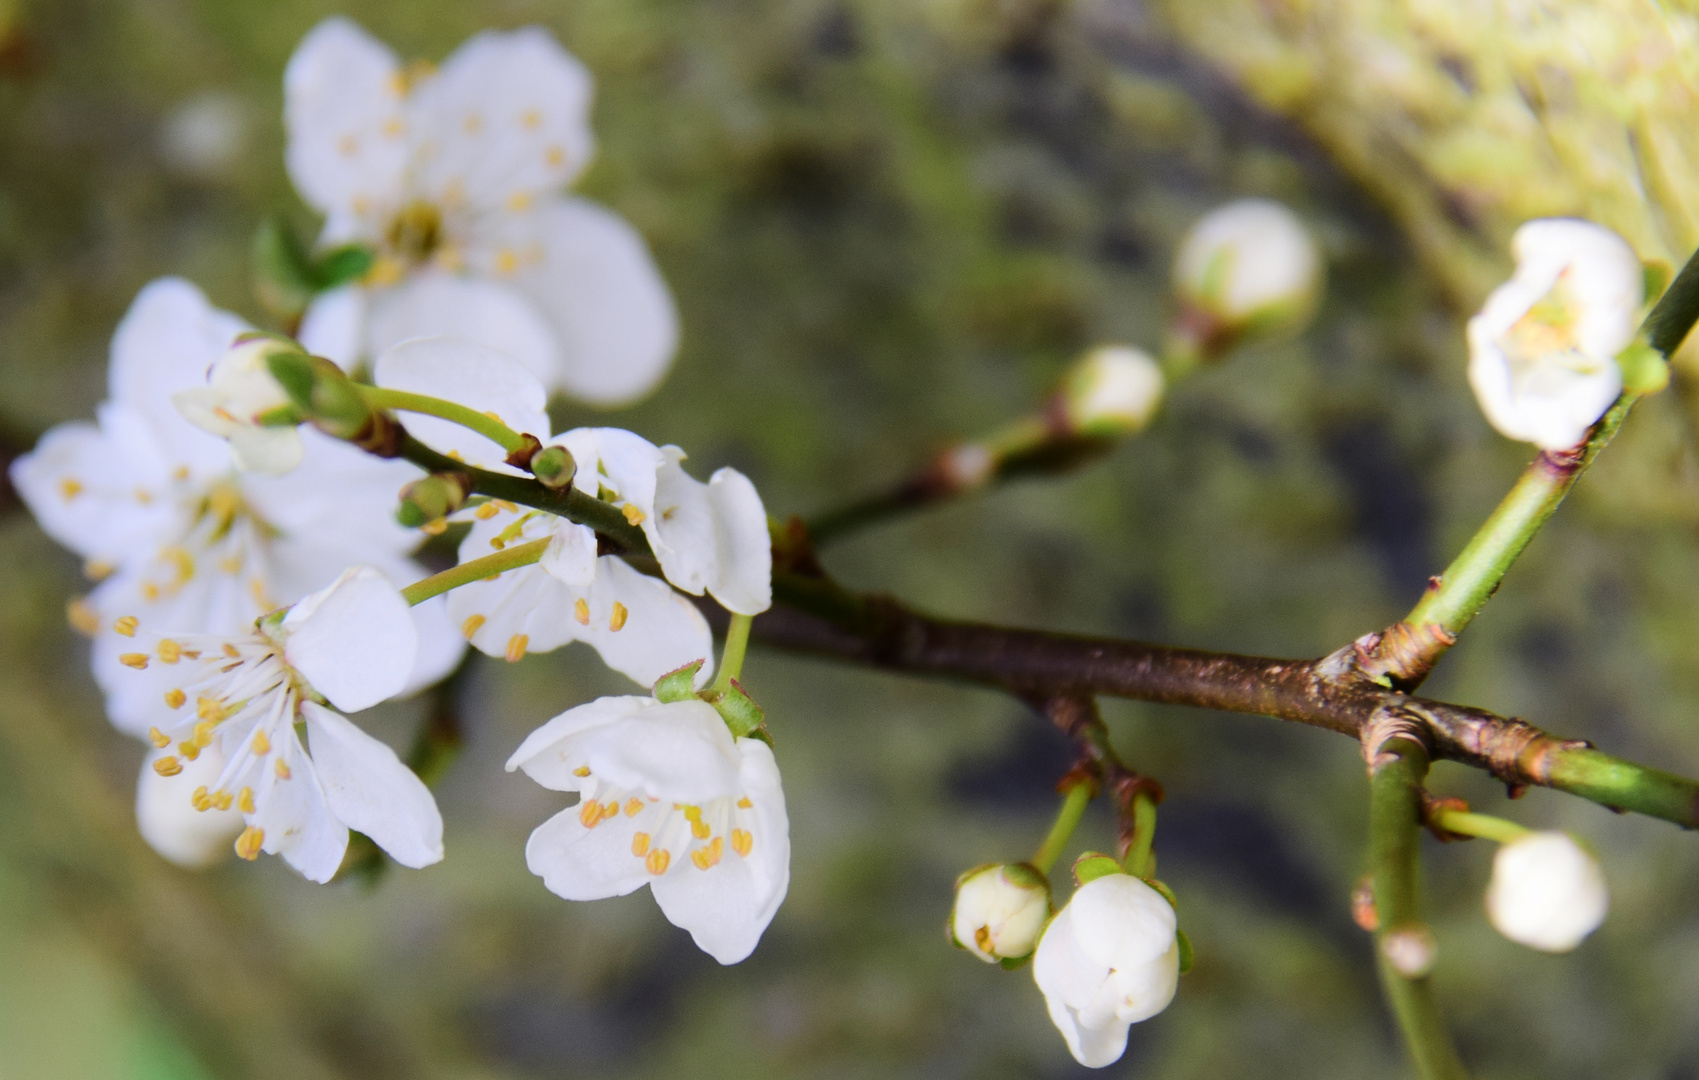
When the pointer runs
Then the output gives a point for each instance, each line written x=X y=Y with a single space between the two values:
x=610 y=809
x=137 y=660
x=590 y=814
x=519 y=201
x=174 y=699
x=471 y=625
x=169 y=651
x=582 y=770
x=262 y=744
x=640 y=844
x=516 y=647
x=126 y=625
x=200 y=800
x=245 y=800
x=144 y=496
x=742 y=842
x=231 y=651
x=658 y=861
x=633 y=806
x=282 y=768
x=222 y=800
x=98 y=569
x=512 y=508
x=168 y=766
x=150 y=591
x=617 y=617
x=581 y=611
x=486 y=511
x=434 y=528
x=556 y=156
x=69 y=488
x=158 y=738
x=531 y=119
x=203 y=732
x=699 y=829
x=82 y=617
x=633 y=515
x=248 y=845
x=189 y=750
x=506 y=262
x=744 y=803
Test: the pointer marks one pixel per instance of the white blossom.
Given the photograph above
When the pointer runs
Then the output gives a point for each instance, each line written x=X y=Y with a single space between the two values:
x=455 y=177
x=670 y=799
x=1113 y=391
x=1542 y=351
x=238 y=699
x=1000 y=911
x=1110 y=958
x=177 y=536
x=1546 y=892
x=240 y=390
x=1250 y=260
x=171 y=823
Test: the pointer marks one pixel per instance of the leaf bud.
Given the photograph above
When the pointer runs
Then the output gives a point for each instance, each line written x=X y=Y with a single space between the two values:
x=1000 y=911
x=553 y=467
x=1113 y=391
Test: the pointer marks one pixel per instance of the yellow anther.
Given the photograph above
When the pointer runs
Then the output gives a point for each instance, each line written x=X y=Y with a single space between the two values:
x=471 y=625
x=555 y=156
x=658 y=861
x=210 y=708
x=742 y=842
x=455 y=455
x=516 y=647
x=386 y=270
x=231 y=564
x=633 y=515
x=174 y=699
x=245 y=800
x=435 y=528
x=709 y=854
x=248 y=845
x=181 y=561
x=506 y=261
x=262 y=744
x=700 y=858
x=640 y=844
x=531 y=119
x=493 y=415
x=181 y=472
x=168 y=766
x=512 y=508
x=82 y=617
x=348 y=146
x=189 y=750
x=169 y=651
x=282 y=767
x=744 y=803
x=582 y=770
x=222 y=800
x=231 y=651
x=610 y=809
x=158 y=738
x=150 y=591
x=256 y=589
x=200 y=800
x=590 y=814
x=693 y=814
x=486 y=511
x=633 y=806
x=144 y=496
x=392 y=127
x=126 y=625
x=519 y=201
x=203 y=732
x=137 y=660
x=581 y=611
x=474 y=123
x=699 y=829
x=98 y=569
x=617 y=617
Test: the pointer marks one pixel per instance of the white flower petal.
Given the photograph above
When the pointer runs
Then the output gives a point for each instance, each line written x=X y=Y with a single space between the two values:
x=169 y=822
x=343 y=110
x=620 y=461
x=662 y=631
x=339 y=499
x=355 y=641
x=82 y=483
x=293 y=813
x=495 y=315
x=571 y=555
x=334 y=326
x=713 y=536
x=505 y=118
x=591 y=275
x=479 y=378
x=371 y=791
x=545 y=753
x=1547 y=892
x=680 y=751
x=576 y=863
x=270 y=450
x=1247 y=257
x=441 y=645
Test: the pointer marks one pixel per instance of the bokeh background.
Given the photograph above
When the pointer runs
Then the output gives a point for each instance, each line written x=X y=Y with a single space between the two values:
x=889 y=224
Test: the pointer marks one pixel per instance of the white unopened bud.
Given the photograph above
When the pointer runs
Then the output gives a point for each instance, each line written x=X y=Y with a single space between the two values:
x=188 y=831
x=240 y=389
x=1547 y=892
x=1110 y=958
x=1542 y=350
x=1249 y=265
x=1113 y=391
x=1000 y=910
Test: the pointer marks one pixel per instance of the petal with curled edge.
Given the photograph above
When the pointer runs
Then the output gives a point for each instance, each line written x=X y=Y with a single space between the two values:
x=355 y=641
x=679 y=750
x=571 y=555
x=344 y=111
x=371 y=791
x=549 y=754
x=500 y=319
x=714 y=536
x=484 y=380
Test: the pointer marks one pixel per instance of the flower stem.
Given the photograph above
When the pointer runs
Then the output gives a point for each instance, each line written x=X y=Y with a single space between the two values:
x=485 y=425
x=478 y=569
x=1062 y=830
x=1485 y=826
x=1144 y=835
x=731 y=658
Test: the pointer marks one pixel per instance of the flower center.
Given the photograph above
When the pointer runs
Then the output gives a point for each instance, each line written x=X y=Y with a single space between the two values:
x=662 y=832
x=415 y=234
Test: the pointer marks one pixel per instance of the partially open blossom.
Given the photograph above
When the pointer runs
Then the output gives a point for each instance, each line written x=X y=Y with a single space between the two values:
x=455 y=177
x=670 y=799
x=240 y=698
x=1250 y=263
x=1113 y=391
x=1110 y=958
x=1546 y=892
x=239 y=391
x=999 y=911
x=1542 y=351
x=176 y=535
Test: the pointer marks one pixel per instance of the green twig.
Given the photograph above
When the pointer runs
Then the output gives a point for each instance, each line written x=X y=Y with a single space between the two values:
x=1485 y=826
x=1062 y=830
x=467 y=572
x=488 y=426
x=731 y=657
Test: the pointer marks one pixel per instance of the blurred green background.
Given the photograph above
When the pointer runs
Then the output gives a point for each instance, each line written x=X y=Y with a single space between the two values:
x=890 y=224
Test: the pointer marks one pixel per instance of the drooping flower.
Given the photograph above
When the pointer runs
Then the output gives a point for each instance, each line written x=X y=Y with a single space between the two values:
x=1114 y=390
x=455 y=177
x=239 y=391
x=1000 y=911
x=1249 y=264
x=1542 y=351
x=176 y=535
x=670 y=799
x=1546 y=892
x=1109 y=959
x=707 y=537
x=238 y=698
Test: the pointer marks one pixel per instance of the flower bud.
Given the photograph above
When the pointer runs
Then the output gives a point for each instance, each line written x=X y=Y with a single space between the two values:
x=553 y=466
x=430 y=499
x=1000 y=910
x=1249 y=266
x=329 y=398
x=1547 y=892
x=1114 y=390
x=243 y=403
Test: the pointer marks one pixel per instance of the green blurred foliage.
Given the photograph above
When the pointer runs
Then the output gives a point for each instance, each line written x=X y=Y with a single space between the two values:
x=887 y=225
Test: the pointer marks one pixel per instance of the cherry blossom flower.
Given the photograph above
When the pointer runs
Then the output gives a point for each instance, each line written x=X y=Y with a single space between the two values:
x=176 y=535
x=670 y=799
x=1542 y=351
x=1547 y=892
x=1249 y=262
x=455 y=177
x=238 y=698
x=1000 y=910
x=1110 y=958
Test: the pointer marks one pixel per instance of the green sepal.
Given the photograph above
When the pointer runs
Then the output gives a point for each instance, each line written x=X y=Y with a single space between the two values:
x=1093 y=865
x=1014 y=963
x=553 y=466
x=679 y=684
x=1655 y=275
x=282 y=416
x=323 y=392
x=340 y=265
x=1185 y=944
x=1167 y=893
x=738 y=710
x=283 y=275
x=1644 y=370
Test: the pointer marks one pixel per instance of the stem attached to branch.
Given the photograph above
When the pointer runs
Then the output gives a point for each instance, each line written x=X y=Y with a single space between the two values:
x=482 y=423
x=1062 y=831
x=1137 y=861
x=1485 y=826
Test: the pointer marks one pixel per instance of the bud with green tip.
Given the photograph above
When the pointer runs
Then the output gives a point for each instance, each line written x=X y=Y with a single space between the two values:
x=332 y=402
x=1249 y=267
x=1000 y=911
x=553 y=467
x=1113 y=391
x=431 y=499
x=244 y=404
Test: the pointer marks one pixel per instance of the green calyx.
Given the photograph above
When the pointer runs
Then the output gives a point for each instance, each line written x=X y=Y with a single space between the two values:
x=553 y=467
x=323 y=393
x=735 y=707
x=434 y=497
x=678 y=685
x=1093 y=865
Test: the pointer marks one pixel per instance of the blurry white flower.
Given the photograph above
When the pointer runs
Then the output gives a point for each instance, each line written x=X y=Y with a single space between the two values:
x=241 y=696
x=1546 y=892
x=999 y=911
x=1110 y=958
x=204 y=136
x=670 y=799
x=1249 y=262
x=455 y=177
x=1542 y=350
x=1113 y=391
x=240 y=389
x=176 y=535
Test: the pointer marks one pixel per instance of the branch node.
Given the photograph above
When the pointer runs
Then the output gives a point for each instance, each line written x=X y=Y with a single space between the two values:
x=1389 y=722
